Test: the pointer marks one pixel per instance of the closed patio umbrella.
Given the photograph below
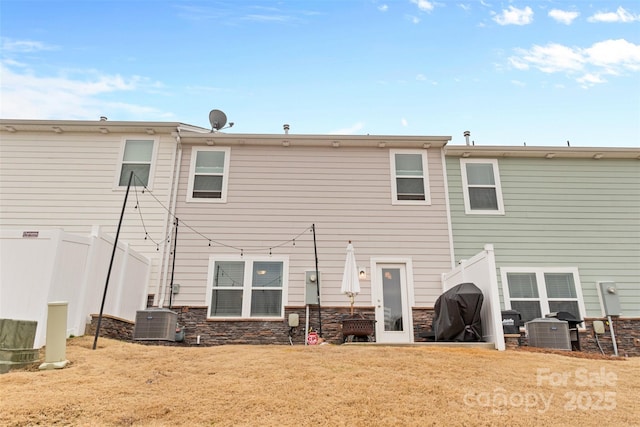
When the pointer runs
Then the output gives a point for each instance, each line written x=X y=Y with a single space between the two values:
x=350 y=280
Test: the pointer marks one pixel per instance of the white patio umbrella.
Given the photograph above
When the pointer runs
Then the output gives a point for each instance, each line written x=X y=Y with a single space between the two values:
x=350 y=280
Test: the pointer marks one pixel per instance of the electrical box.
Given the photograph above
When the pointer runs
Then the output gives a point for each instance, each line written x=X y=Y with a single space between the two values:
x=610 y=298
x=598 y=327
x=311 y=280
x=294 y=320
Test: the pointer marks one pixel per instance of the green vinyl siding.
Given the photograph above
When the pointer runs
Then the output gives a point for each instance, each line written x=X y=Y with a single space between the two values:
x=560 y=212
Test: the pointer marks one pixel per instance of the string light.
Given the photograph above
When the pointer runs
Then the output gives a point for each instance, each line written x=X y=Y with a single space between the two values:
x=210 y=241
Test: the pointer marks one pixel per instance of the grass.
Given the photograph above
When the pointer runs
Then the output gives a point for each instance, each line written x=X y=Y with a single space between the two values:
x=127 y=384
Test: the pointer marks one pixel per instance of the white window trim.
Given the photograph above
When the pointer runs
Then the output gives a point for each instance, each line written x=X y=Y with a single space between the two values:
x=246 y=302
x=225 y=175
x=152 y=169
x=465 y=187
x=542 y=289
x=425 y=178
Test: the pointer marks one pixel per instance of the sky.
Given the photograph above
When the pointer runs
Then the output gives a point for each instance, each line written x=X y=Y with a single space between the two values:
x=540 y=72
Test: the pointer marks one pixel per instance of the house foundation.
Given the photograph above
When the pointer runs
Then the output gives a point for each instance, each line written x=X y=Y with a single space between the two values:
x=200 y=331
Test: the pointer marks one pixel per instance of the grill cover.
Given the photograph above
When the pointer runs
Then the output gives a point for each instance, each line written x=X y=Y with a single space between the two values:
x=457 y=314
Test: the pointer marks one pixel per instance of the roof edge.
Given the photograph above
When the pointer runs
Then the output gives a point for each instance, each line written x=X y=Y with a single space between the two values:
x=548 y=152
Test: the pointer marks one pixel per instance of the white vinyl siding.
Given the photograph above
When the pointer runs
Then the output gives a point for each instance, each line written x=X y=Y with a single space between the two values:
x=536 y=292
x=208 y=175
x=277 y=193
x=409 y=177
x=67 y=181
x=561 y=212
x=138 y=156
x=482 y=190
x=242 y=287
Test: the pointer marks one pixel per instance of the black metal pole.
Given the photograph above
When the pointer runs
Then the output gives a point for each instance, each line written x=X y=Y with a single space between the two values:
x=113 y=255
x=315 y=250
x=173 y=265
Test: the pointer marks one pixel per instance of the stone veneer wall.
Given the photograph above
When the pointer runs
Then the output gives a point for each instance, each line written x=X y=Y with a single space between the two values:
x=422 y=322
x=627 y=331
x=111 y=327
x=215 y=332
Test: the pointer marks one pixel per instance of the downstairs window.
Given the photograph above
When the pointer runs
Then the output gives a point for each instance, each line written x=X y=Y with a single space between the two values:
x=247 y=288
x=536 y=292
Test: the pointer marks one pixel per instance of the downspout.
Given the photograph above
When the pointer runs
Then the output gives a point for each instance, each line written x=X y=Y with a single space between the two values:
x=172 y=209
x=448 y=206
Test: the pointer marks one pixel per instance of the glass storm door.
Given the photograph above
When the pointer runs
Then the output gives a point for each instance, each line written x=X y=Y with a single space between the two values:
x=393 y=316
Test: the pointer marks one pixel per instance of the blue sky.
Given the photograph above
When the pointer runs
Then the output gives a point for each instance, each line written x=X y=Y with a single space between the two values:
x=537 y=71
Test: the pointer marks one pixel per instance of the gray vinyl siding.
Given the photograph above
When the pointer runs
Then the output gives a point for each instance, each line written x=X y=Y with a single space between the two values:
x=582 y=213
x=66 y=181
x=276 y=193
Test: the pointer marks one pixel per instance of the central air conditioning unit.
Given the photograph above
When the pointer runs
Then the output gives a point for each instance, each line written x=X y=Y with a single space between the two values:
x=157 y=324
x=548 y=333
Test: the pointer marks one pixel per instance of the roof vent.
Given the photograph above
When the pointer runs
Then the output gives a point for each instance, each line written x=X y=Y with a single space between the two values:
x=103 y=118
x=467 y=134
x=286 y=128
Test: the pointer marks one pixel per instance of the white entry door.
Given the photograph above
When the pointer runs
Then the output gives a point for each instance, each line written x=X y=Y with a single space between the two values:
x=394 y=323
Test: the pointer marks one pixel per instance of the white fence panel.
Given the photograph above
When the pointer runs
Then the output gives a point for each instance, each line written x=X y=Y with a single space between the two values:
x=40 y=266
x=481 y=271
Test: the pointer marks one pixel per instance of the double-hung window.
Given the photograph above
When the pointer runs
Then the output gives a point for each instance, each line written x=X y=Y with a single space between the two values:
x=247 y=288
x=536 y=292
x=481 y=186
x=409 y=177
x=138 y=157
x=208 y=175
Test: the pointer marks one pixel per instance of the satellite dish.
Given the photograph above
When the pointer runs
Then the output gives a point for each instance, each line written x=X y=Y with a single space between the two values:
x=217 y=119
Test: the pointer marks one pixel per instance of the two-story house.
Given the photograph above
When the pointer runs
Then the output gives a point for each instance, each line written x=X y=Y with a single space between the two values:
x=259 y=214
x=241 y=229
x=563 y=221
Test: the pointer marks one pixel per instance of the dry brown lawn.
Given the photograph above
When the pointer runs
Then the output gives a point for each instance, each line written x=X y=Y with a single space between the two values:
x=125 y=384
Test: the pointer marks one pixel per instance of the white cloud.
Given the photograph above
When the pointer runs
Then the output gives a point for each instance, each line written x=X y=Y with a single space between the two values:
x=383 y=8
x=23 y=46
x=404 y=122
x=590 y=80
x=563 y=16
x=267 y=18
x=421 y=77
x=356 y=127
x=614 y=54
x=413 y=19
x=514 y=16
x=620 y=15
x=29 y=96
x=609 y=57
x=551 y=58
x=424 y=5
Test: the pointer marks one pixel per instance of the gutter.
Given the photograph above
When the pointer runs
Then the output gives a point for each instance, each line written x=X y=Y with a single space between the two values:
x=177 y=162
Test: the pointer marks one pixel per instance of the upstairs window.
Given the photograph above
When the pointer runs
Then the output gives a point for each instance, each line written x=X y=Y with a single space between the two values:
x=410 y=183
x=482 y=190
x=208 y=175
x=537 y=292
x=137 y=156
x=248 y=288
